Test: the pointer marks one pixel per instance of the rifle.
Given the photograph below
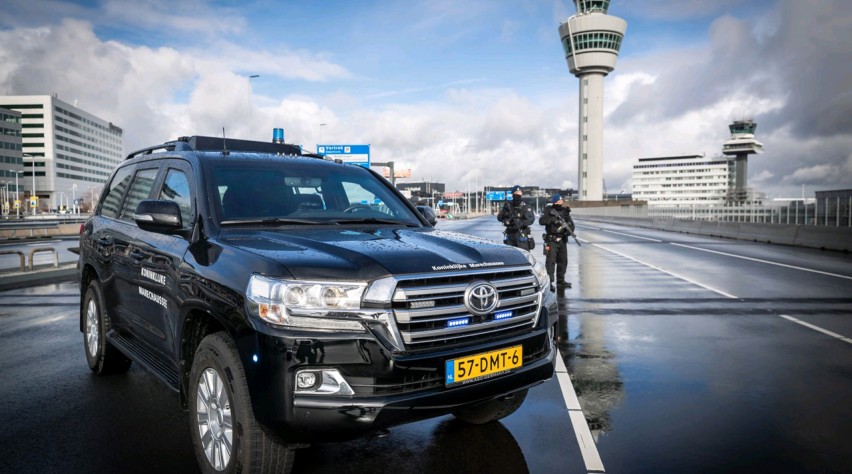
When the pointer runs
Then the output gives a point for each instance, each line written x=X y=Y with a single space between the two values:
x=563 y=226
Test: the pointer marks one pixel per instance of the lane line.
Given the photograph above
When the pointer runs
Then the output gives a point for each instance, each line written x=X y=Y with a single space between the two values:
x=808 y=325
x=714 y=290
x=764 y=261
x=634 y=236
x=816 y=328
x=588 y=448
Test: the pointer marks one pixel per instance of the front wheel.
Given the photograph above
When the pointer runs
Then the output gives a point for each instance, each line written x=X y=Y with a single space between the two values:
x=225 y=435
x=492 y=410
x=102 y=358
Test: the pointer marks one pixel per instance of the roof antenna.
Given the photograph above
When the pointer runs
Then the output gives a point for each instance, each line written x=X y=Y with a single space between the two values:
x=225 y=151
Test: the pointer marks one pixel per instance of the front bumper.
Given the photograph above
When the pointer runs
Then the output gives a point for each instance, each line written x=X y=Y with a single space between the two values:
x=390 y=389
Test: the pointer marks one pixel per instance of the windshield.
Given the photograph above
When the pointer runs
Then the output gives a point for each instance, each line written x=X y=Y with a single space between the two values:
x=296 y=191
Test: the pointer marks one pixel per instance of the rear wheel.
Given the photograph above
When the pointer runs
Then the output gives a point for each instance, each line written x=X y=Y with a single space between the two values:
x=225 y=435
x=492 y=410
x=102 y=358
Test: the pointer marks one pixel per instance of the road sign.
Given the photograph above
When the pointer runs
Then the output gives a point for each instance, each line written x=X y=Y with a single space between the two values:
x=496 y=195
x=17 y=203
x=34 y=201
x=356 y=154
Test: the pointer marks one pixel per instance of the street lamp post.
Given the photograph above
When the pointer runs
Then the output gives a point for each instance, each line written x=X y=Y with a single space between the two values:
x=74 y=197
x=32 y=163
x=321 y=126
x=249 y=91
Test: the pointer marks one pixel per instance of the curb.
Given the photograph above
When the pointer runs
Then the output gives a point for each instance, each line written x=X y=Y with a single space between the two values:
x=10 y=281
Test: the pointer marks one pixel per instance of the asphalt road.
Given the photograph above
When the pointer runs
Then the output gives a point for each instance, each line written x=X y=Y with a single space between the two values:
x=687 y=354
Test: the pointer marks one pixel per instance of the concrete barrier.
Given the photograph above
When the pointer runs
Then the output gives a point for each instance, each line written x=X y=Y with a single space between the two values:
x=822 y=237
x=773 y=233
x=720 y=229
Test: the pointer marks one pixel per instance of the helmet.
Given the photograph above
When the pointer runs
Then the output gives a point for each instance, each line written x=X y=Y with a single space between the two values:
x=516 y=189
x=556 y=198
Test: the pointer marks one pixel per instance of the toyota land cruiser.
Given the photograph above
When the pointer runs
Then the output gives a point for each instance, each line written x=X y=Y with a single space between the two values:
x=291 y=299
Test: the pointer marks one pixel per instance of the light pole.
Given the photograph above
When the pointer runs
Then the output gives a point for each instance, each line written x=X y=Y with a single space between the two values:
x=74 y=197
x=321 y=126
x=33 y=195
x=18 y=206
x=249 y=91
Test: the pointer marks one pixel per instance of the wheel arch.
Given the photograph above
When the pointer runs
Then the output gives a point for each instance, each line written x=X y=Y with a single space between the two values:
x=197 y=324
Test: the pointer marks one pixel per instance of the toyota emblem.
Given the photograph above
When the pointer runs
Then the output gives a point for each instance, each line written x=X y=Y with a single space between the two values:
x=481 y=298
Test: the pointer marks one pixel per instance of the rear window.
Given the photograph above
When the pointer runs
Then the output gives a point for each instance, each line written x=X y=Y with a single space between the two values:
x=290 y=189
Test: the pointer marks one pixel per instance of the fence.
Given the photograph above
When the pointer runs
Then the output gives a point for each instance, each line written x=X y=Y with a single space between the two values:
x=832 y=212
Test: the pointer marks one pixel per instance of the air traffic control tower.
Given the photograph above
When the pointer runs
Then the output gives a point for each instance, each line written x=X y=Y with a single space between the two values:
x=741 y=144
x=591 y=40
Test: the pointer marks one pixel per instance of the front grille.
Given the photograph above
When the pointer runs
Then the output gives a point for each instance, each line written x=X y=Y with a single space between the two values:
x=428 y=307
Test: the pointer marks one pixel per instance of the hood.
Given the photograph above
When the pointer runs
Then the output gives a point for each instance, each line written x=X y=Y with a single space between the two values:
x=368 y=254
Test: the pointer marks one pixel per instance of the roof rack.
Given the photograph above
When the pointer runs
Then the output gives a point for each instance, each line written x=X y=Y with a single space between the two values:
x=201 y=143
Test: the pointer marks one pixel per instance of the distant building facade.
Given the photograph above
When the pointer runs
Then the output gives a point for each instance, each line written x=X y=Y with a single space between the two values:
x=683 y=180
x=71 y=151
x=11 y=156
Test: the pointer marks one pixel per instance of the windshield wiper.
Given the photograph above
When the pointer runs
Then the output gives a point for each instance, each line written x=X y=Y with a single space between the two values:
x=273 y=221
x=373 y=220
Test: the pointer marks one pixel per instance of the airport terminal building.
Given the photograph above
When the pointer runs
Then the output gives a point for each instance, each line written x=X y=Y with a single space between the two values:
x=71 y=151
x=683 y=180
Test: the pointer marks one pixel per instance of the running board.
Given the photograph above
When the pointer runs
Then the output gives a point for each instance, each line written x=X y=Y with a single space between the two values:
x=145 y=357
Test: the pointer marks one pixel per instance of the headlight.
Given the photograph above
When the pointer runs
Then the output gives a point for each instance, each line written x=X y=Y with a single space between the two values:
x=306 y=304
x=540 y=271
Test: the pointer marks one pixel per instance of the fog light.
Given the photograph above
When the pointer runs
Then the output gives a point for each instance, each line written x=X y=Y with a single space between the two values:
x=322 y=382
x=305 y=380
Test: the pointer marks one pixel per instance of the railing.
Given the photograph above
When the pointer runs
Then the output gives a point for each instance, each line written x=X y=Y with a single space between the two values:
x=16 y=252
x=825 y=212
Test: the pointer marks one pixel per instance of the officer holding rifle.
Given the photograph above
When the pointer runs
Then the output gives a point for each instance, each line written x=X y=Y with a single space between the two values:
x=517 y=217
x=557 y=221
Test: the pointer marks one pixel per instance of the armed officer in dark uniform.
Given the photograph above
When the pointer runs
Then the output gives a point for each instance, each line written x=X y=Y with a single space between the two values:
x=517 y=217
x=556 y=220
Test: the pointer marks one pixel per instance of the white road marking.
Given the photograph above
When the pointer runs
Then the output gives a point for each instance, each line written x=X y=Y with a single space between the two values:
x=816 y=328
x=727 y=295
x=588 y=449
x=634 y=236
x=808 y=325
x=44 y=244
x=765 y=261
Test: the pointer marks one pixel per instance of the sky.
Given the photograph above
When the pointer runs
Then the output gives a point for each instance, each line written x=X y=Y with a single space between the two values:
x=461 y=92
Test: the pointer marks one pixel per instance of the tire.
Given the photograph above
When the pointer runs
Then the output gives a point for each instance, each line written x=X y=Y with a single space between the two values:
x=226 y=437
x=102 y=358
x=492 y=410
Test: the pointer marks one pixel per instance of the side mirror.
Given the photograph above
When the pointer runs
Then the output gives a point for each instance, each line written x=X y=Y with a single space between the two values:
x=429 y=214
x=159 y=215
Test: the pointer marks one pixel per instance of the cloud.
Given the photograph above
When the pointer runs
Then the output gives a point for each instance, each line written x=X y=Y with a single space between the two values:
x=787 y=69
x=677 y=10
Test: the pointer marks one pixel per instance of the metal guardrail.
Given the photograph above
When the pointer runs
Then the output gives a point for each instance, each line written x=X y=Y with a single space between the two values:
x=44 y=249
x=20 y=254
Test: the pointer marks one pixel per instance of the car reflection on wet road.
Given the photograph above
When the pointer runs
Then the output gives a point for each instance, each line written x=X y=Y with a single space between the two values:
x=682 y=360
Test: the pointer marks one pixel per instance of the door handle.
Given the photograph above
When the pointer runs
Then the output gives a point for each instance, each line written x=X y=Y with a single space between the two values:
x=137 y=255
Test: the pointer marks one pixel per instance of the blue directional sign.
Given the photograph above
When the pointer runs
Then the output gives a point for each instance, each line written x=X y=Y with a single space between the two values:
x=356 y=154
x=495 y=195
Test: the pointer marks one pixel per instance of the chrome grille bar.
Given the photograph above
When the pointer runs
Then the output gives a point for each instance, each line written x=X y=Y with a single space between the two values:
x=424 y=327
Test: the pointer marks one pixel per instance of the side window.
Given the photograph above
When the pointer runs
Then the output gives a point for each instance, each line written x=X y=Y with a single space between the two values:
x=140 y=189
x=115 y=194
x=176 y=188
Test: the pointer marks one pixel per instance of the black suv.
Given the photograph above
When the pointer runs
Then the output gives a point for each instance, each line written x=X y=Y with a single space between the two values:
x=291 y=299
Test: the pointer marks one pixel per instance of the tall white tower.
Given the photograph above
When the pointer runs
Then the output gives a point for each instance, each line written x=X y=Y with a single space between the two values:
x=591 y=40
x=741 y=144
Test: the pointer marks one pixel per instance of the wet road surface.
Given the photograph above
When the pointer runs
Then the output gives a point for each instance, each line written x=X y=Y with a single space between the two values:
x=687 y=354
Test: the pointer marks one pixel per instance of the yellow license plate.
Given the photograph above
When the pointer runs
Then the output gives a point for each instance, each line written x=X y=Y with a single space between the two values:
x=485 y=365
